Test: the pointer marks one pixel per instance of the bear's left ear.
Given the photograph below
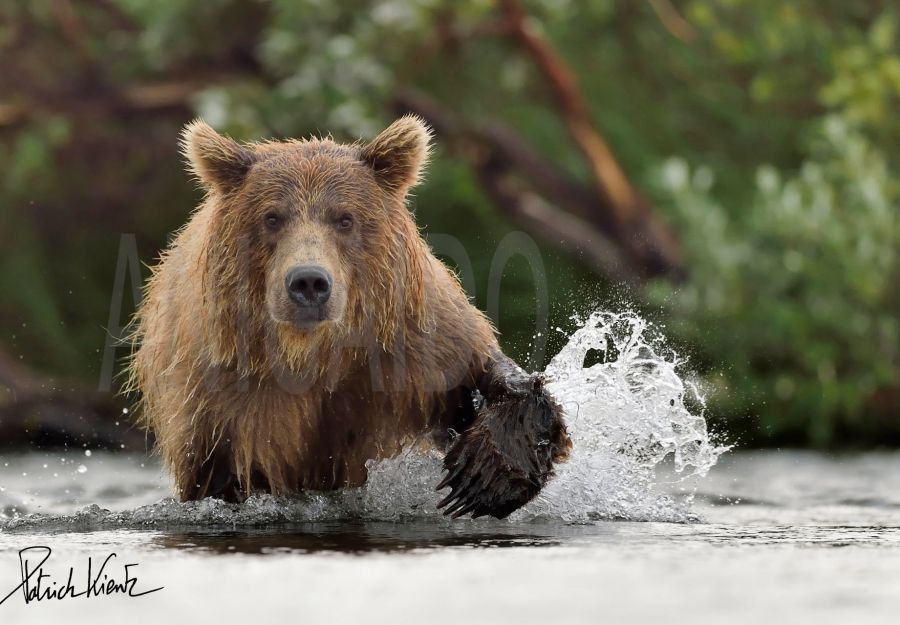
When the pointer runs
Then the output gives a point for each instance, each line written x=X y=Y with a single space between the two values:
x=399 y=154
x=218 y=162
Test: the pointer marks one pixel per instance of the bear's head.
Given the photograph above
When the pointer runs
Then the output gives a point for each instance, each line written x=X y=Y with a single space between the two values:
x=309 y=241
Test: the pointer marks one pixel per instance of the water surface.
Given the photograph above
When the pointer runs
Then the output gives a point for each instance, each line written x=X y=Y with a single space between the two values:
x=648 y=522
x=791 y=536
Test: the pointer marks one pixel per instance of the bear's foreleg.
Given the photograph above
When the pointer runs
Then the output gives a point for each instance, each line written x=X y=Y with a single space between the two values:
x=210 y=475
x=505 y=457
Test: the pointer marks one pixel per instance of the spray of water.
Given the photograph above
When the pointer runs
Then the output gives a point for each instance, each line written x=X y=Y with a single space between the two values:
x=631 y=417
x=629 y=412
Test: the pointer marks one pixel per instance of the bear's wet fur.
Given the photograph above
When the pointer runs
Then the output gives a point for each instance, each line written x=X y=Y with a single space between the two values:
x=250 y=383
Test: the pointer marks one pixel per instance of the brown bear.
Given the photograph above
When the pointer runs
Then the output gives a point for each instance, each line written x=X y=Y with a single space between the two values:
x=299 y=325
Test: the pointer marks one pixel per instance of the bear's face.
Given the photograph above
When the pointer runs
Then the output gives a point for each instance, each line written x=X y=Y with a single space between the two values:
x=311 y=228
x=321 y=215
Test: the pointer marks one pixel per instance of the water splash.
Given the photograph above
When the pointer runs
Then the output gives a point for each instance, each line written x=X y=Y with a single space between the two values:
x=629 y=412
x=637 y=430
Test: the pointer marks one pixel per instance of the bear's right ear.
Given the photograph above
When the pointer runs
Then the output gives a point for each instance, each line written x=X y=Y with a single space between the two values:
x=218 y=162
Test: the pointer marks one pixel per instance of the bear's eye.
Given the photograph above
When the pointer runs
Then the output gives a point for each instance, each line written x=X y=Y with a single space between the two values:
x=273 y=221
x=345 y=222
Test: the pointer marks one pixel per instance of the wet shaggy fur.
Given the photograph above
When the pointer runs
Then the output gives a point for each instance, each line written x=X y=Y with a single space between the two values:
x=240 y=398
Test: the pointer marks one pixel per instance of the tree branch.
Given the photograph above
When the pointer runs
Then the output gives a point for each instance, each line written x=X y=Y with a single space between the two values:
x=497 y=155
x=648 y=241
x=672 y=20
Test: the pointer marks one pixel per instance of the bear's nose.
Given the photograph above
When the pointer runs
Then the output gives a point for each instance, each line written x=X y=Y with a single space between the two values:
x=308 y=285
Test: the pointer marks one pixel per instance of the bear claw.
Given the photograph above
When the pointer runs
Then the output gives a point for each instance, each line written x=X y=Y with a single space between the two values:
x=503 y=460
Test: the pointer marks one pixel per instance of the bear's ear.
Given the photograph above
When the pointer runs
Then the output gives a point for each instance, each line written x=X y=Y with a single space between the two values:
x=218 y=162
x=398 y=155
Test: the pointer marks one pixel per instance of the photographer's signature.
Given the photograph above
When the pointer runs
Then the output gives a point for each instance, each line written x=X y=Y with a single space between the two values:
x=37 y=585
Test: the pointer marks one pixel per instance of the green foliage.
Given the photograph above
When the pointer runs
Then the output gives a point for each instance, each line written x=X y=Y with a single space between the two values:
x=765 y=131
x=796 y=292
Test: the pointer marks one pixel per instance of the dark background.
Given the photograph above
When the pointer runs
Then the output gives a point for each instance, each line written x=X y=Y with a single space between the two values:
x=725 y=167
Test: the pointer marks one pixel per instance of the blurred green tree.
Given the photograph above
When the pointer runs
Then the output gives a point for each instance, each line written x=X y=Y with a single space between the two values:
x=762 y=132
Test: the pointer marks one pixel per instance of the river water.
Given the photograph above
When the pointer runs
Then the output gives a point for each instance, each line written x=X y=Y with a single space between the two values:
x=786 y=537
x=653 y=520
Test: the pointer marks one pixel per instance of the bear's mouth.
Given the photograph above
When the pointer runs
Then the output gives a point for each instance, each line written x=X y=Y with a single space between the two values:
x=308 y=317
